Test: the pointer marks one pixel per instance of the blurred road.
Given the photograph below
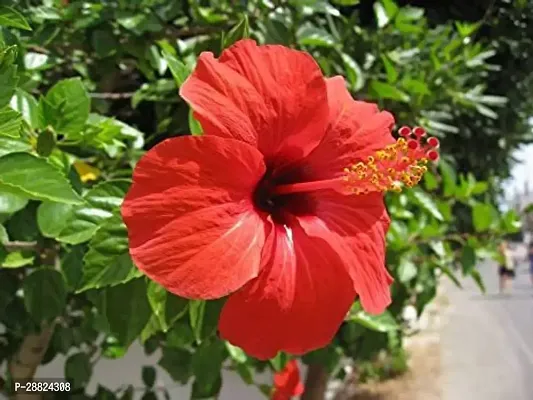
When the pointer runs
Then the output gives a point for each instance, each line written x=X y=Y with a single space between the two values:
x=487 y=344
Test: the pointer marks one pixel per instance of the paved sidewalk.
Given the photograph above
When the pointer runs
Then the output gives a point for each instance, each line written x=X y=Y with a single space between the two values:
x=487 y=342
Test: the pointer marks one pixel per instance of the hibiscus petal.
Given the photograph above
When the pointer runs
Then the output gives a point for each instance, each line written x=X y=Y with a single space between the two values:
x=355 y=228
x=356 y=129
x=287 y=382
x=191 y=223
x=271 y=97
x=298 y=301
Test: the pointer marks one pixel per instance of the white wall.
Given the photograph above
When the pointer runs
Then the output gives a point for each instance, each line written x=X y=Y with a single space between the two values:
x=127 y=370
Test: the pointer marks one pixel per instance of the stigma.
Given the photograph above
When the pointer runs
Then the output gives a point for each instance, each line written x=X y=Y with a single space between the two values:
x=401 y=164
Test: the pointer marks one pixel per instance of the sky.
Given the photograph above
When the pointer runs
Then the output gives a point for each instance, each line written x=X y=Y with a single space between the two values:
x=521 y=172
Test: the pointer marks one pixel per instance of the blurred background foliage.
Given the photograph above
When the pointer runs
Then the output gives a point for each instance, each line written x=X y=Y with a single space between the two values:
x=87 y=86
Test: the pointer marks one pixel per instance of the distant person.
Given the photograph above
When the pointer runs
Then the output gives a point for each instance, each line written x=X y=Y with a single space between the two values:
x=506 y=270
x=531 y=260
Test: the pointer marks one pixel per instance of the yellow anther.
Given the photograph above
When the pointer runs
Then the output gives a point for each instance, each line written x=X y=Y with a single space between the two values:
x=387 y=169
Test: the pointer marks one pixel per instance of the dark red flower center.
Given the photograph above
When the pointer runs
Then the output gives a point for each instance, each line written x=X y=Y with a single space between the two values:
x=266 y=198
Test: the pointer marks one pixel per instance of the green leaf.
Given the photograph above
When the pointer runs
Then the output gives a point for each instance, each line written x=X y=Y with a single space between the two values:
x=127 y=310
x=450 y=274
x=498 y=101
x=178 y=364
x=4 y=237
x=236 y=353
x=466 y=29
x=155 y=91
x=128 y=393
x=23 y=224
x=207 y=363
x=16 y=259
x=108 y=263
x=194 y=125
x=101 y=202
x=203 y=317
x=476 y=276
x=346 y=2
x=480 y=188
x=381 y=15
x=427 y=203
x=8 y=75
x=392 y=73
x=148 y=376
x=510 y=222
x=328 y=356
x=279 y=361
x=179 y=71
x=35 y=60
x=104 y=42
x=430 y=181
x=480 y=58
x=482 y=216
x=391 y=8
x=386 y=91
x=11 y=203
x=265 y=389
x=78 y=370
x=72 y=266
x=10 y=122
x=196 y=317
x=157 y=297
x=354 y=73
x=438 y=248
x=175 y=308
x=53 y=217
x=415 y=86
x=150 y=329
x=449 y=178
x=180 y=335
x=10 y=145
x=246 y=373
x=18 y=172
x=66 y=106
x=46 y=143
x=381 y=323
x=408 y=14
x=309 y=35
x=12 y=18
x=486 y=111
x=45 y=294
x=468 y=259
x=113 y=349
x=238 y=32
x=406 y=270
x=139 y=22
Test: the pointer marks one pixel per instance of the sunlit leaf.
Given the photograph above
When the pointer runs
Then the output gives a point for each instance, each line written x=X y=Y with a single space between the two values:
x=12 y=18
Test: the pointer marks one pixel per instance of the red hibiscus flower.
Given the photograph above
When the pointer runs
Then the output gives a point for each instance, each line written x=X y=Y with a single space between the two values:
x=287 y=382
x=279 y=204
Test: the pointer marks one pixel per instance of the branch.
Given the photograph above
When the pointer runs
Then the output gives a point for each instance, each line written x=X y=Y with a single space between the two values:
x=316 y=382
x=458 y=237
x=186 y=32
x=29 y=356
x=112 y=96
x=18 y=245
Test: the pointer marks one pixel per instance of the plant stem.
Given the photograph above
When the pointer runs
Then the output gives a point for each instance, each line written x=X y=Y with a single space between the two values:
x=316 y=382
